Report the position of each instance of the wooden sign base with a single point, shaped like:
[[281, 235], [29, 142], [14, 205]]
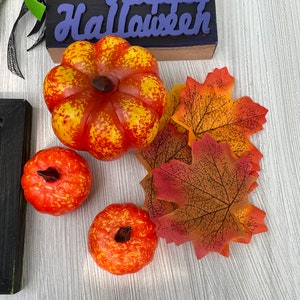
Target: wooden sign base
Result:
[[161, 54]]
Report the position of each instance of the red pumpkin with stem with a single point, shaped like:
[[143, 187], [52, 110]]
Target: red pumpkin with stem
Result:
[[122, 239], [56, 180]]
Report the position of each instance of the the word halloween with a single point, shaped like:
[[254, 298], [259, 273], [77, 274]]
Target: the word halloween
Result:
[[159, 18]]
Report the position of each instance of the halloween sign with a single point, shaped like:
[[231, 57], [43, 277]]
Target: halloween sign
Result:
[[162, 26]]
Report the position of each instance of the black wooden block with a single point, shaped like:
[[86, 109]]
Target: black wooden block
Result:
[[15, 130]]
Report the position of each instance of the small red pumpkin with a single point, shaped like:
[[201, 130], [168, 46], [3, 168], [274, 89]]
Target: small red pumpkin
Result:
[[56, 180], [122, 239]]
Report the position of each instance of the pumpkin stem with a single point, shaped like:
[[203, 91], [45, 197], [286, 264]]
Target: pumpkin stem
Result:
[[103, 84], [123, 234], [50, 174]]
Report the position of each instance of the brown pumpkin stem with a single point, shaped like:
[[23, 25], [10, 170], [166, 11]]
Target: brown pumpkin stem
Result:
[[123, 234], [50, 174], [103, 84]]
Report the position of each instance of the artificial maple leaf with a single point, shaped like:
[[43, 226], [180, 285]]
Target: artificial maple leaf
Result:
[[173, 101], [169, 144], [155, 207], [211, 195], [209, 108]]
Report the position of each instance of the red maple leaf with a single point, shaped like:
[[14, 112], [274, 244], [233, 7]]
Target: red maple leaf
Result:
[[211, 197], [169, 144]]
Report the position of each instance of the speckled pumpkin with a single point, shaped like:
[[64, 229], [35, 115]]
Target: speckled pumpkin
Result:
[[56, 180], [122, 239], [106, 97]]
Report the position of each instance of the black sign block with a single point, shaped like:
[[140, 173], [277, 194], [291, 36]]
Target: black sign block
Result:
[[15, 131]]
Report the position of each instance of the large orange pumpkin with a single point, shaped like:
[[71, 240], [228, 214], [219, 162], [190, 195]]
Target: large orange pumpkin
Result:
[[106, 97]]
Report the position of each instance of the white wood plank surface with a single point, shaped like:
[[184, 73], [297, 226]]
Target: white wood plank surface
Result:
[[259, 42]]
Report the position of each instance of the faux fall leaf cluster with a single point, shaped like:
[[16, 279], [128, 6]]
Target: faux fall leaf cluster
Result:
[[202, 166]]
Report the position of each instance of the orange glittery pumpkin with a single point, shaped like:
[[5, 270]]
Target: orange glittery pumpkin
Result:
[[56, 180], [122, 239], [106, 97]]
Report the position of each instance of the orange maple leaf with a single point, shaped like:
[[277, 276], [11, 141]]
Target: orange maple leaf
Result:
[[173, 101], [209, 108], [212, 199]]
